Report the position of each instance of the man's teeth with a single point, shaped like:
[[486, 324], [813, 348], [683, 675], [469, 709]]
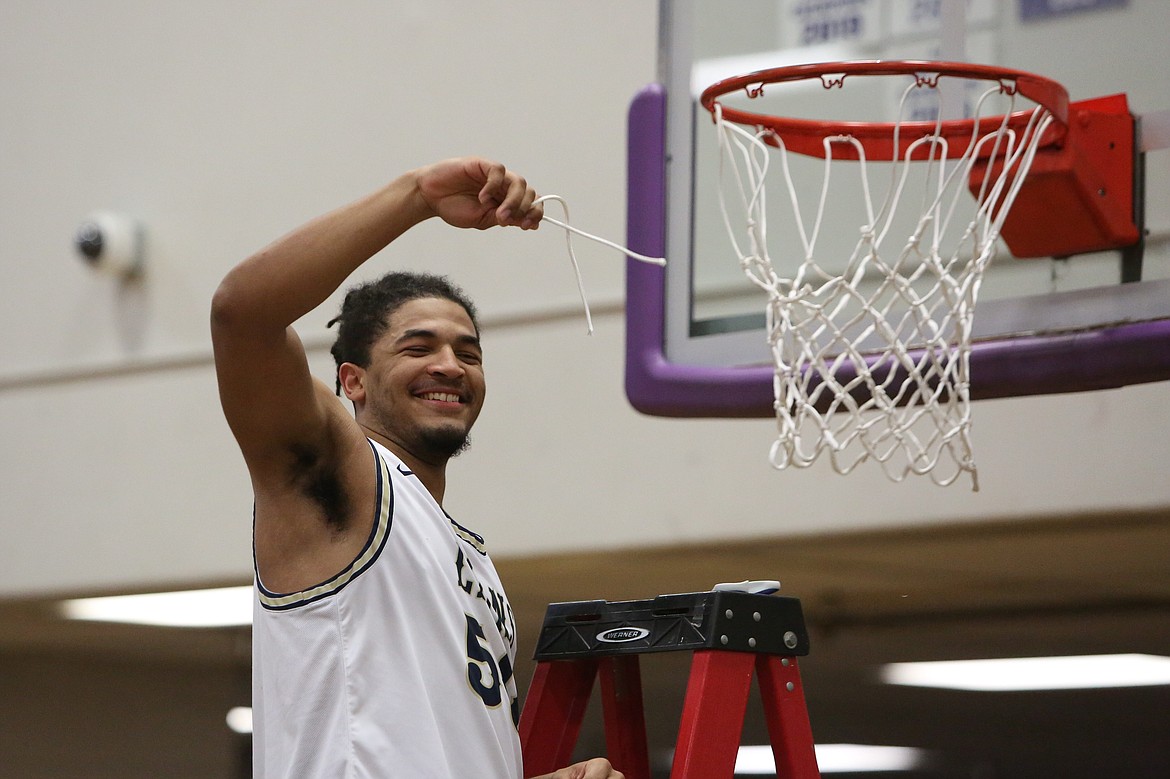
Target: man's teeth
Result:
[[446, 397]]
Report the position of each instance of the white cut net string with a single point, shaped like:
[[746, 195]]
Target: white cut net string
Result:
[[872, 359], [569, 230]]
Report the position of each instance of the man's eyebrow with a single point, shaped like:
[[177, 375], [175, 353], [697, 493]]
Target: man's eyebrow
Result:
[[422, 332], [416, 333]]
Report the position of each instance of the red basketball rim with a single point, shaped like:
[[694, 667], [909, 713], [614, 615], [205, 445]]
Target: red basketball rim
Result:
[[806, 136]]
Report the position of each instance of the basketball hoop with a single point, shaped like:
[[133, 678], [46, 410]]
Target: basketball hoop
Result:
[[871, 350]]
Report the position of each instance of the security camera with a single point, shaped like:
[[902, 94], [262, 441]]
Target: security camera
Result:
[[111, 243]]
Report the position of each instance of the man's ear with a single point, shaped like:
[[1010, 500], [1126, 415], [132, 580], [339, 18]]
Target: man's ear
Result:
[[352, 379]]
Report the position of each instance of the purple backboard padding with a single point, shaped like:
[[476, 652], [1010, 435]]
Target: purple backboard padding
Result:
[[654, 385], [1111, 357], [1116, 356]]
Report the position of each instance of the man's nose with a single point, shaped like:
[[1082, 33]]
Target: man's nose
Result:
[[445, 363]]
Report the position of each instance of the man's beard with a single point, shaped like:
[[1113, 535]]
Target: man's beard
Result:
[[434, 443], [445, 442]]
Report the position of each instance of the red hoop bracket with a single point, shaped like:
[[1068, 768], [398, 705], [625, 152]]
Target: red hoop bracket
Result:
[[1079, 196]]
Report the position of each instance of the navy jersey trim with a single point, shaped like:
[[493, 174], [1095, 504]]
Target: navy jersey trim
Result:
[[468, 535]]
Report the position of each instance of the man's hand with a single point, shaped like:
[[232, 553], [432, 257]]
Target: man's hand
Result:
[[476, 193], [597, 768]]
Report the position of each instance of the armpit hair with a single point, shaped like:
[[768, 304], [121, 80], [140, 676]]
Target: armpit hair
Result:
[[318, 477]]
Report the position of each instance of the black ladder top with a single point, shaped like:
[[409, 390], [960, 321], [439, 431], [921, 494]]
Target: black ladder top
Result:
[[727, 620]]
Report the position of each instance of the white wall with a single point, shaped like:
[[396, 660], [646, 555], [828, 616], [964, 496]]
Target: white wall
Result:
[[223, 124]]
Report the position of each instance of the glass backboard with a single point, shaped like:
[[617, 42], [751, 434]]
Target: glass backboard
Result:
[[696, 330]]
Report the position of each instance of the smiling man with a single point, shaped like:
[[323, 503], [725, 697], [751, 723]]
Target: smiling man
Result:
[[425, 335], [383, 642]]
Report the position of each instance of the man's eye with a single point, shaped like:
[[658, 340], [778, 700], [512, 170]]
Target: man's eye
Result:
[[470, 357]]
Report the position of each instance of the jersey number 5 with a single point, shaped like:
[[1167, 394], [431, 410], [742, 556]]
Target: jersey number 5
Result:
[[487, 678]]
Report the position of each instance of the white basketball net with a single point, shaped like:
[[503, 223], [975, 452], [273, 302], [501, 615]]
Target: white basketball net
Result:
[[872, 362]]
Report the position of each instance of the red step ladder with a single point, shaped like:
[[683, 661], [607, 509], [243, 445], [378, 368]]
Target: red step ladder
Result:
[[733, 636]]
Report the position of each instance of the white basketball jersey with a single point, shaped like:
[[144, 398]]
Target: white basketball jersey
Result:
[[399, 666]]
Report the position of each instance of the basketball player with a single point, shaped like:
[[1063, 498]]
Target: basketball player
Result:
[[383, 643]]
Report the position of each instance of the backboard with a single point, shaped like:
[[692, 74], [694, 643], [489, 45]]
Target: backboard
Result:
[[695, 334]]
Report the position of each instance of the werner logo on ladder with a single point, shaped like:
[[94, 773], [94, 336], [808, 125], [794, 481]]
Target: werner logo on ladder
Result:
[[734, 632]]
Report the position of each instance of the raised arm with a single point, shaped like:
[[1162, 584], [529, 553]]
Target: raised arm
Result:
[[310, 465], [265, 387]]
